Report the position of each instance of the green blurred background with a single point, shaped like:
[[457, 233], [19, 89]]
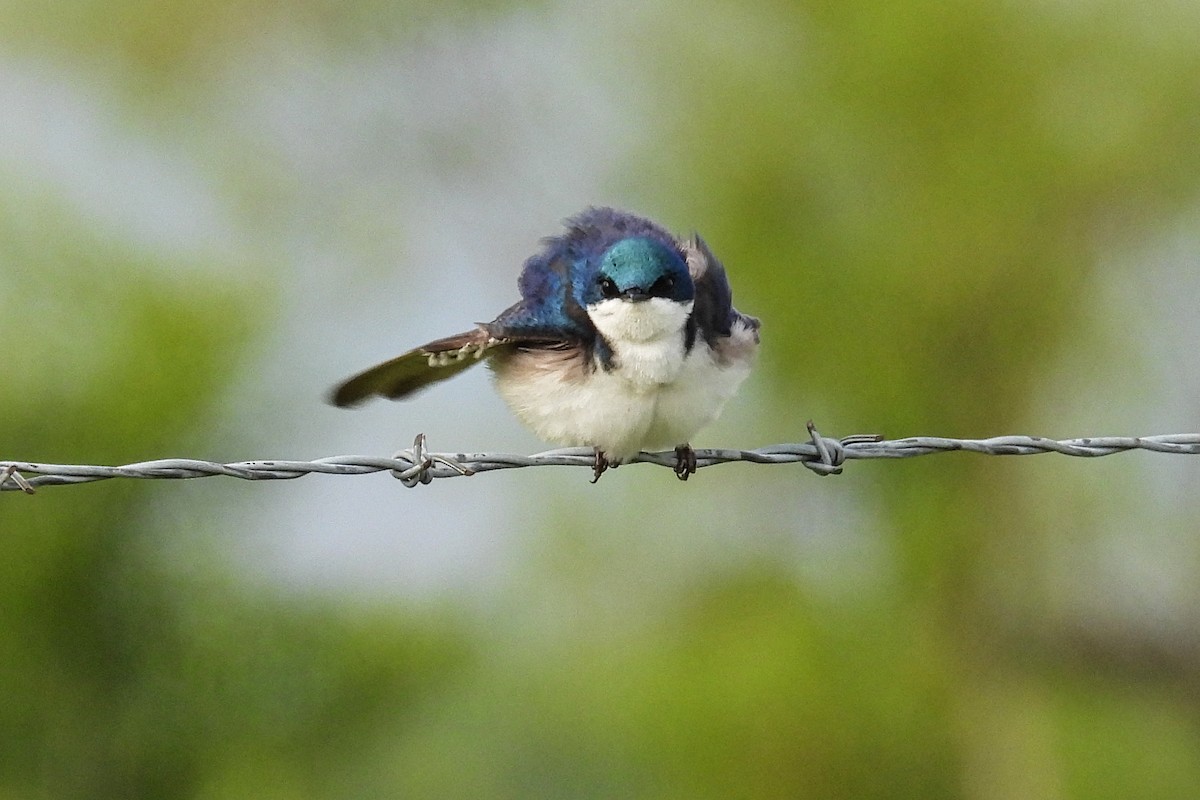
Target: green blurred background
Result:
[[953, 219]]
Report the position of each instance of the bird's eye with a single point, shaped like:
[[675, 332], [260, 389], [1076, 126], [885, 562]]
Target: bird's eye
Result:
[[662, 287], [608, 288]]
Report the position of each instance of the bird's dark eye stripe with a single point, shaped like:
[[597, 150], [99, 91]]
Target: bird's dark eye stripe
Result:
[[608, 288], [663, 286]]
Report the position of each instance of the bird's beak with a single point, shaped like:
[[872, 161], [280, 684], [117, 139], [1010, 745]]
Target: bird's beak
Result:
[[635, 294]]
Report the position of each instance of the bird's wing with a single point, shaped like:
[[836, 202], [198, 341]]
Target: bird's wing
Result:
[[713, 310], [420, 367]]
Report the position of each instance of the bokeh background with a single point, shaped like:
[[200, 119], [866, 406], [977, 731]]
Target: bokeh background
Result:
[[961, 219]]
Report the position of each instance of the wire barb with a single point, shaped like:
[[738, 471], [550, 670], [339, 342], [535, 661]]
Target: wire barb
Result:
[[830, 452], [417, 465], [421, 462], [11, 472]]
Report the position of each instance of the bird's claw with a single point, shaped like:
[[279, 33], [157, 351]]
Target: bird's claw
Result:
[[600, 465], [685, 461]]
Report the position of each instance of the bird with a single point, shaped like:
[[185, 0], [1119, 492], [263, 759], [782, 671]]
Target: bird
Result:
[[625, 339]]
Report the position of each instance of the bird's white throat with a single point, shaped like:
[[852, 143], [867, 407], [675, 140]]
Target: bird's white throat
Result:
[[646, 338], [656, 319]]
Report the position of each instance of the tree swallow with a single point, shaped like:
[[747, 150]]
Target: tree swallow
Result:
[[625, 338]]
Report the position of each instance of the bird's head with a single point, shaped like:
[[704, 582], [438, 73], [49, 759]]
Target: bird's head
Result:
[[638, 289], [637, 269]]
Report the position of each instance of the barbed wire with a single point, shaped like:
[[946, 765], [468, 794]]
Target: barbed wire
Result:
[[417, 465]]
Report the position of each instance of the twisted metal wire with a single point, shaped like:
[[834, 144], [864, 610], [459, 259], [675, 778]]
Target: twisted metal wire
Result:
[[417, 465]]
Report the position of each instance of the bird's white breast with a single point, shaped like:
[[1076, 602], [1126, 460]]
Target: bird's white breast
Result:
[[646, 339], [655, 395]]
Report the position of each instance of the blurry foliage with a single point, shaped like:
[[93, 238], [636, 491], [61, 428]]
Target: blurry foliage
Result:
[[915, 198], [912, 196], [743, 689], [918, 191], [122, 677], [162, 48], [109, 334]]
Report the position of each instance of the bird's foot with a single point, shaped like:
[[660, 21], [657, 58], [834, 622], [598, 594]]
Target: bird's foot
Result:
[[600, 465], [685, 461]]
